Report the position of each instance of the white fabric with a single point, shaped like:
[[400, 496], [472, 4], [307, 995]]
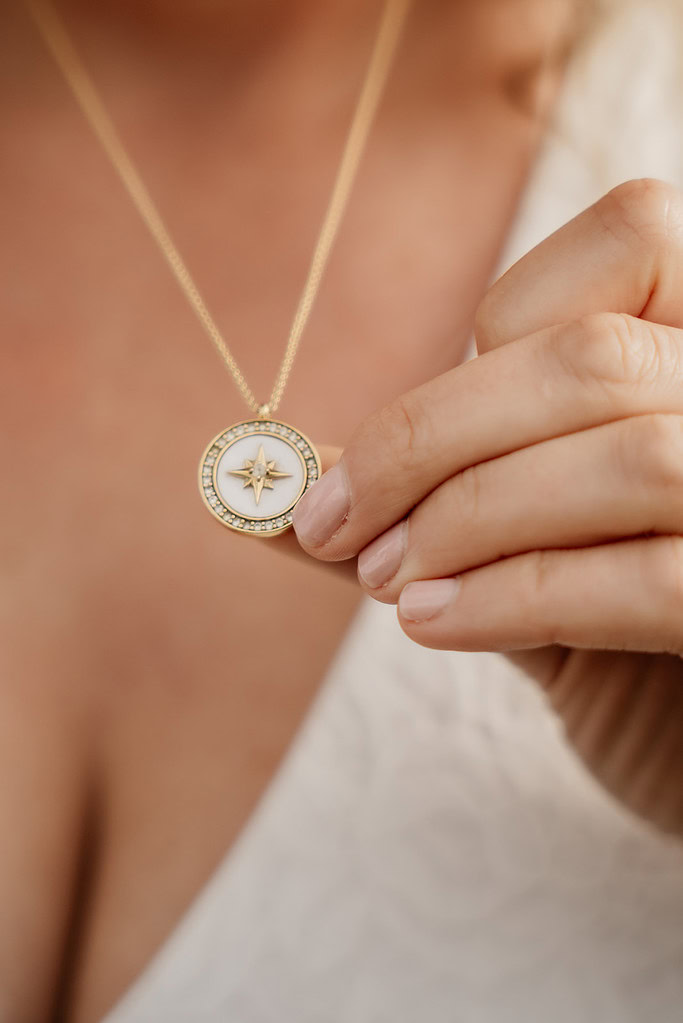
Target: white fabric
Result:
[[430, 849]]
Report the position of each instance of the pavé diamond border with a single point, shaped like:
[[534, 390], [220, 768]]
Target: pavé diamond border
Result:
[[227, 516]]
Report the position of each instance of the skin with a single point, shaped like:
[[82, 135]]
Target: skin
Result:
[[534, 494], [142, 714]]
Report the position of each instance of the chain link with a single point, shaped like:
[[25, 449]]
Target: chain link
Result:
[[59, 43]]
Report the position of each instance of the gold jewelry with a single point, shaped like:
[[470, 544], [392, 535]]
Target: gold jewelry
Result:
[[289, 449]]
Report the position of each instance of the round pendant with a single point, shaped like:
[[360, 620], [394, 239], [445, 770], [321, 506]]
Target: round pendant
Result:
[[252, 475]]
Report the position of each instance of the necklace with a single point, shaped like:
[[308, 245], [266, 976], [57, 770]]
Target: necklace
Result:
[[252, 474]]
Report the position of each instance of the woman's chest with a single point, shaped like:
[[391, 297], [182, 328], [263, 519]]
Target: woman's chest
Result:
[[115, 388], [203, 649]]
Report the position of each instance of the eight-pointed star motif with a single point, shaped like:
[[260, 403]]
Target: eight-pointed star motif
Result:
[[259, 473]]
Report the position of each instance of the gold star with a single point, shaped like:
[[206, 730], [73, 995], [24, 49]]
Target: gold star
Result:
[[259, 473]]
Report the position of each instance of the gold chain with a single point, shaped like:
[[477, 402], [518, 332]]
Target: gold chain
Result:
[[58, 42]]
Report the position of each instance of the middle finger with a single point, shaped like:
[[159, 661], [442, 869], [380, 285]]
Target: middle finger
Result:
[[610, 482]]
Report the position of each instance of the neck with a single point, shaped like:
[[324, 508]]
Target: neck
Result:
[[227, 55], [234, 31], [210, 52]]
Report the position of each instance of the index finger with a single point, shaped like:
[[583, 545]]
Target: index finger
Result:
[[624, 254], [558, 380]]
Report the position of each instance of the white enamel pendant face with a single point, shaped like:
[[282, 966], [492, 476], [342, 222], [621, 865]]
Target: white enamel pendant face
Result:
[[252, 475]]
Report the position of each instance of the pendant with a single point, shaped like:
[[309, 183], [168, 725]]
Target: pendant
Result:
[[252, 475]]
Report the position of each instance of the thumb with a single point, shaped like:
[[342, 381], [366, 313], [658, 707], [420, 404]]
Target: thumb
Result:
[[288, 543]]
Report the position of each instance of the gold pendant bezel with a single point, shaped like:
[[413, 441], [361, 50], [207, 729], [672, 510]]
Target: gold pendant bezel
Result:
[[263, 526]]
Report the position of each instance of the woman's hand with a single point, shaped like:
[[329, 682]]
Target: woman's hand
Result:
[[532, 499]]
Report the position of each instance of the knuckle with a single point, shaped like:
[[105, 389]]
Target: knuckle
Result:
[[655, 444], [615, 349], [487, 321], [466, 496], [665, 570], [409, 417], [396, 428], [647, 208], [541, 568]]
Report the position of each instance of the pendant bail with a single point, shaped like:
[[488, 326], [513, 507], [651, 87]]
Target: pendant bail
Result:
[[263, 411]]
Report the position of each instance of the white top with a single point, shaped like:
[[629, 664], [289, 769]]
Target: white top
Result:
[[431, 849]]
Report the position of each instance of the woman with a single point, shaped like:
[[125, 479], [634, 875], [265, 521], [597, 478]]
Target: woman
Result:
[[431, 847]]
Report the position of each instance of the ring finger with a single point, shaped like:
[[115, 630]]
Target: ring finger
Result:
[[614, 481]]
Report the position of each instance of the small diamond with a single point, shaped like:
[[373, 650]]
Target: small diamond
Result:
[[258, 526], [269, 525], [288, 516]]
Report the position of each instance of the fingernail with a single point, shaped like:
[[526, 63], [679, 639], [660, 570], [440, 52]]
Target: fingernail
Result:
[[423, 600], [321, 511], [380, 560]]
